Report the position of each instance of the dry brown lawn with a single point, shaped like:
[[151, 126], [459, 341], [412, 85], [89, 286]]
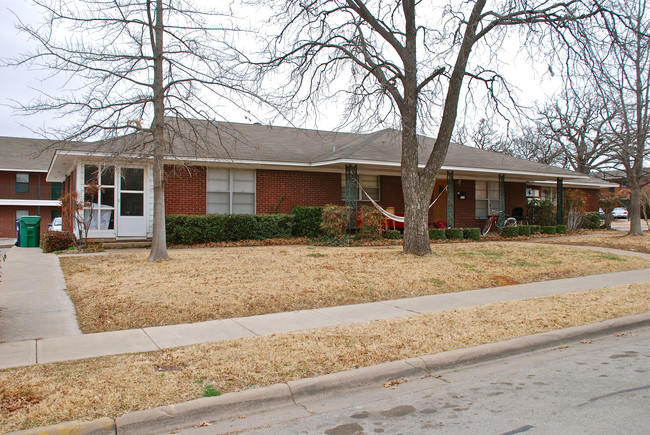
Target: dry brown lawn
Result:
[[606, 239], [124, 291], [112, 386]]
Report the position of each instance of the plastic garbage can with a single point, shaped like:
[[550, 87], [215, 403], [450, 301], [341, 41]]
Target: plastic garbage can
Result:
[[30, 231]]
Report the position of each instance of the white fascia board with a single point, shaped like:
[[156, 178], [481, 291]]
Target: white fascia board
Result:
[[32, 202], [575, 183], [508, 172]]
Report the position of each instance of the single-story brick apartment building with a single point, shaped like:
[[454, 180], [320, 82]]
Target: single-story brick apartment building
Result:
[[254, 168]]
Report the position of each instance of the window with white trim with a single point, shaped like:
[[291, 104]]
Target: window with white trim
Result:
[[99, 190], [487, 198], [230, 191], [370, 184]]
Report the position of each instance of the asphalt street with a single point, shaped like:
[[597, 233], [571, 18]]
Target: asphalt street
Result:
[[599, 385]]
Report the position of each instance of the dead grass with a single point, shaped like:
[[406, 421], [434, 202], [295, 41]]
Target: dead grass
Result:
[[112, 386], [124, 291], [607, 239]]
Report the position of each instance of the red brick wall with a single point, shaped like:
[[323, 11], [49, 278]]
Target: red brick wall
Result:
[[298, 188], [8, 218], [591, 199], [185, 190], [8, 186]]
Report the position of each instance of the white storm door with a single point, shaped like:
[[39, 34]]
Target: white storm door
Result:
[[131, 220]]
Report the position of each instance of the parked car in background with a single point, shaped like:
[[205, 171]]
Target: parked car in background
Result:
[[619, 213], [56, 225]]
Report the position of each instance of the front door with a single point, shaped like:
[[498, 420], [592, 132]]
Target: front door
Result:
[[131, 206]]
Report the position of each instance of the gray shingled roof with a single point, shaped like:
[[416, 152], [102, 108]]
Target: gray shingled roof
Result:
[[25, 154], [257, 143]]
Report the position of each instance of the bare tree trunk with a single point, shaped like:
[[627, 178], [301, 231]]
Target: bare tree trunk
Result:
[[635, 210], [159, 239]]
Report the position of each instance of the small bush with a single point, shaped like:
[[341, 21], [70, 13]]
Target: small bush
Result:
[[560, 229], [241, 227], [52, 241], [371, 220], [510, 232], [549, 229], [270, 226], [437, 234], [306, 221], [535, 229], [542, 212], [472, 233], [392, 234], [592, 221], [454, 233], [524, 230], [333, 221]]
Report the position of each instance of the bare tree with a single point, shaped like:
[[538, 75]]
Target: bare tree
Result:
[[577, 124], [134, 69], [397, 69], [484, 136], [614, 56], [531, 142]]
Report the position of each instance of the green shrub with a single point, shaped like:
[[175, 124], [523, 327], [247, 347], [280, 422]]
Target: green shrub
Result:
[[472, 233], [560, 229], [192, 229], [509, 231], [371, 220], [56, 241], [270, 226], [535, 229], [333, 221], [306, 221], [592, 221], [524, 230], [437, 234], [392, 234], [549, 229], [454, 233]]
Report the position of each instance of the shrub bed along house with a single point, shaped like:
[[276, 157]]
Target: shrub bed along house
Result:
[[510, 232], [191, 229], [307, 221], [549, 229], [437, 234], [454, 233], [472, 233], [525, 230], [560, 229], [392, 234], [592, 221]]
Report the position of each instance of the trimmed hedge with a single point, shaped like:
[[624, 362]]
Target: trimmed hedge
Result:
[[454, 233], [307, 221], [52, 241], [592, 221], [535, 229], [524, 230], [560, 229], [392, 234], [509, 231], [192, 229], [437, 234], [549, 229], [472, 233]]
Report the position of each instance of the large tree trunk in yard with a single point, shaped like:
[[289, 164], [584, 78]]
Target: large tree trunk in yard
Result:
[[635, 210]]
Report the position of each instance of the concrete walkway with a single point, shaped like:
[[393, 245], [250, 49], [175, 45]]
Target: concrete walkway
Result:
[[33, 301], [32, 289]]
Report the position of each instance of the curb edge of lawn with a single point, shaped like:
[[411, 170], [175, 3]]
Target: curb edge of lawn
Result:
[[232, 405]]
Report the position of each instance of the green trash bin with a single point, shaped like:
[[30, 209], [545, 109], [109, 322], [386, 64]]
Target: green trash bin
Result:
[[30, 231]]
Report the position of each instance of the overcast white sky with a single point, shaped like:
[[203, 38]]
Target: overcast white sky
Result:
[[23, 84]]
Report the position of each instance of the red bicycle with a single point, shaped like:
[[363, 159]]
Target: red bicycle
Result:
[[494, 219]]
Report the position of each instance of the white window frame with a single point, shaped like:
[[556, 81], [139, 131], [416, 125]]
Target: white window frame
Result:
[[362, 181], [95, 229], [231, 189], [491, 200]]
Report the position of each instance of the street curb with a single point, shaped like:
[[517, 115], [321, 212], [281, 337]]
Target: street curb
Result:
[[230, 405]]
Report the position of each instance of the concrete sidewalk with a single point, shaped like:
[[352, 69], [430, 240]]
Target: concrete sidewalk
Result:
[[33, 301], [74, 346]]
